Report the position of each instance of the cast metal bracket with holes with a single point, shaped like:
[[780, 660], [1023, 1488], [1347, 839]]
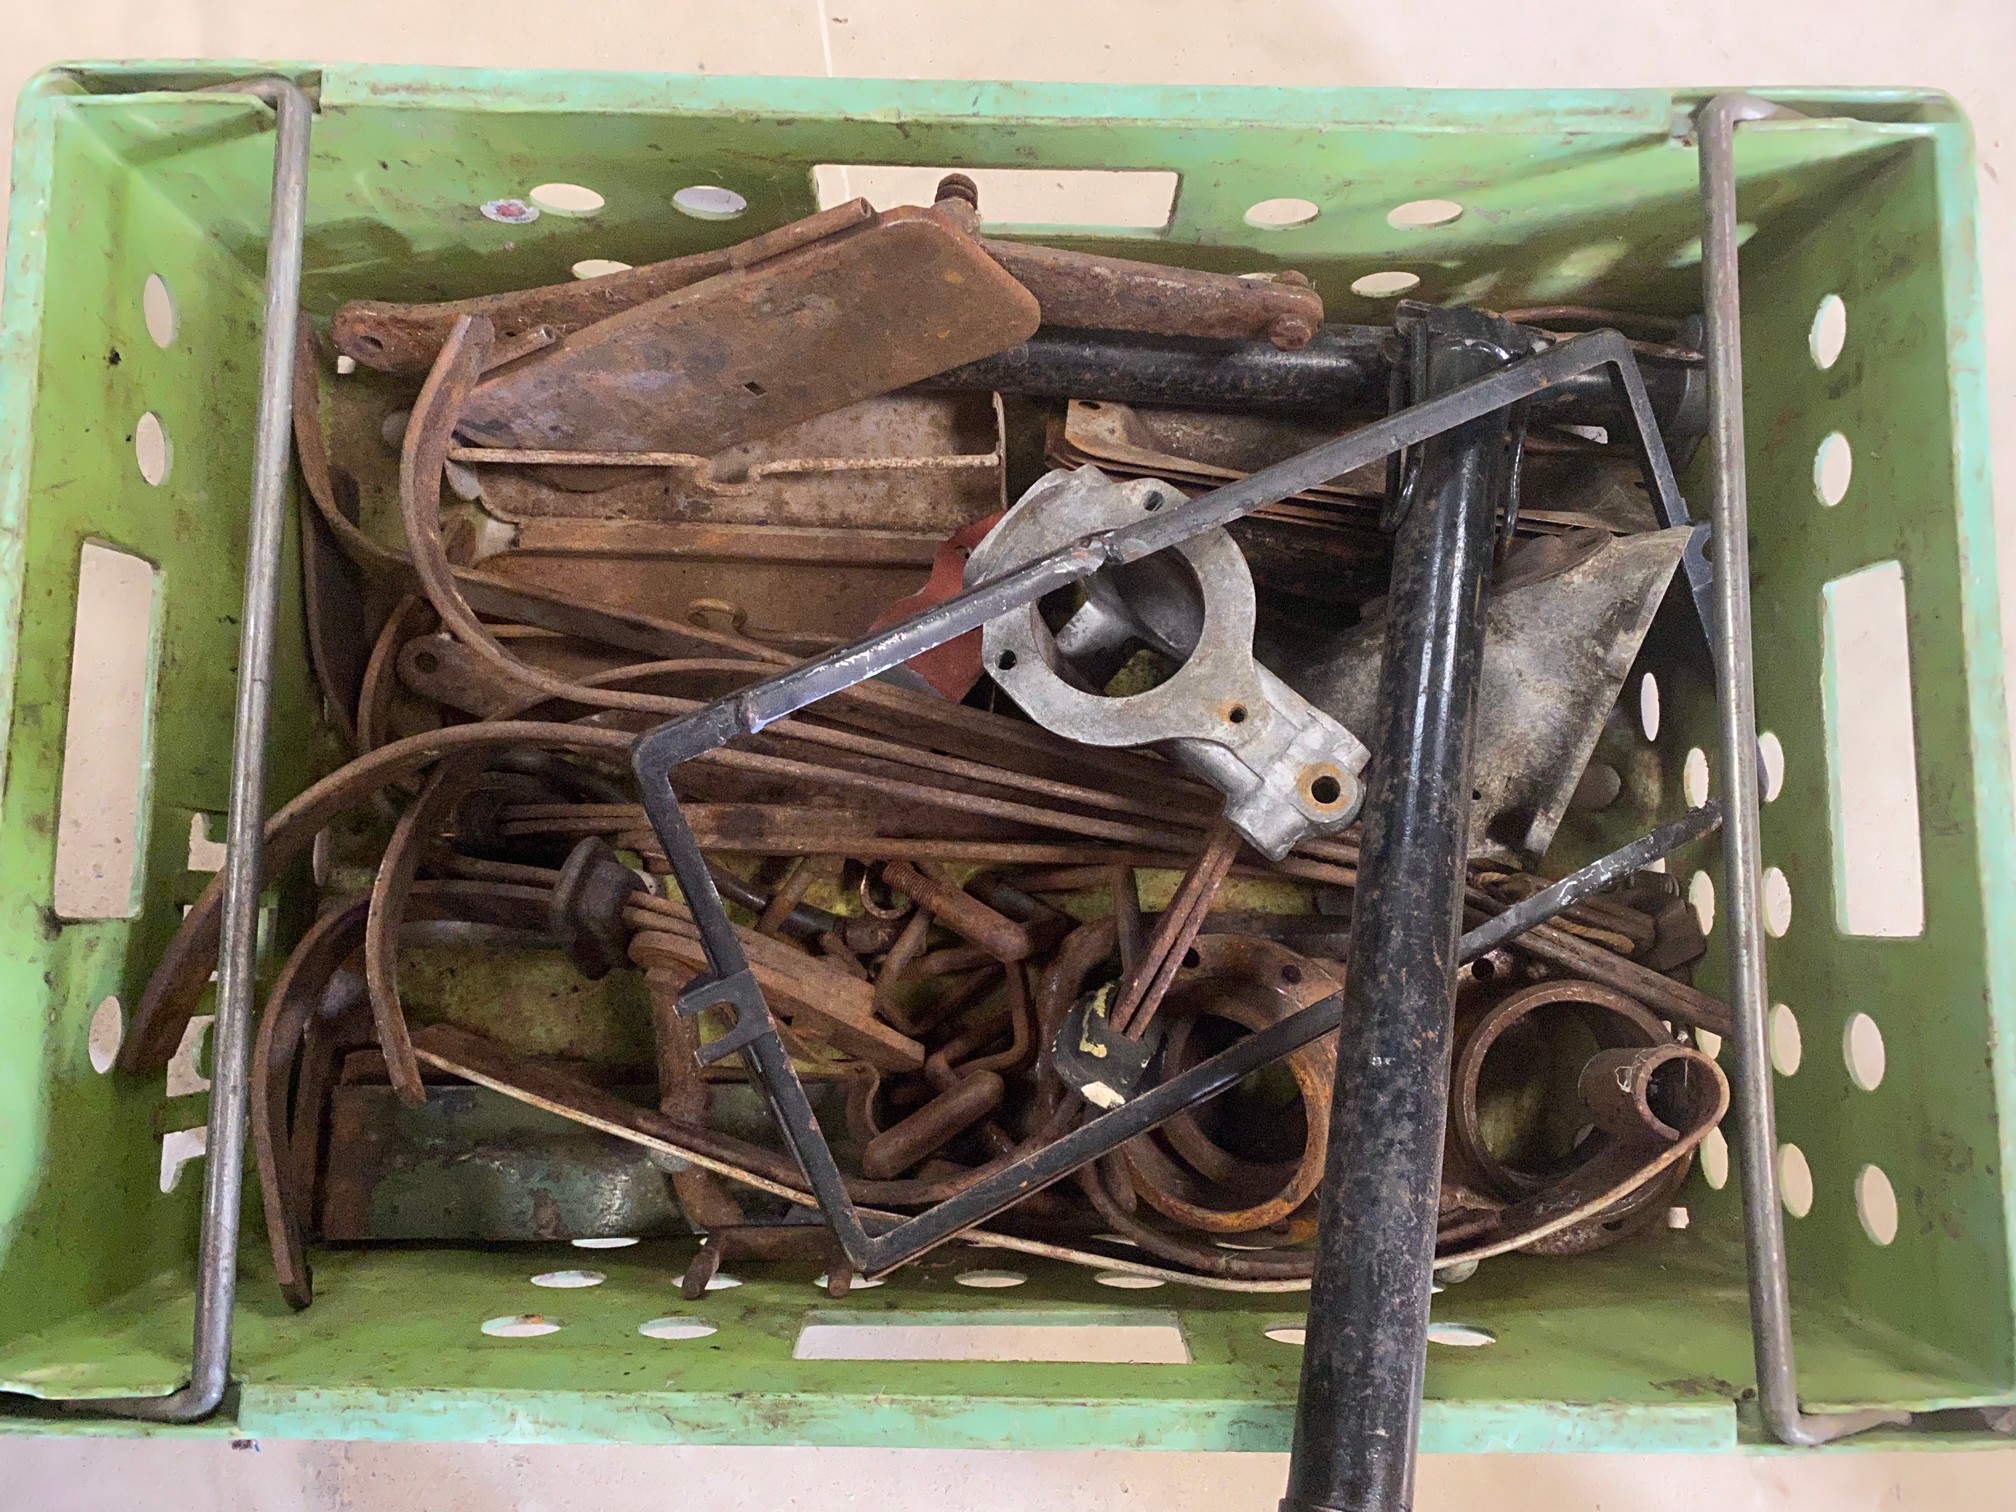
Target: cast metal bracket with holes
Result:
[[729, 983]]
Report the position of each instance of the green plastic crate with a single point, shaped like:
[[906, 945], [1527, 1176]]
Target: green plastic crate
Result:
[[1584, 196]]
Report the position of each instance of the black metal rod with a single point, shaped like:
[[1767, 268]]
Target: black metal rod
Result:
[[1343, 370], [1365, 1354]]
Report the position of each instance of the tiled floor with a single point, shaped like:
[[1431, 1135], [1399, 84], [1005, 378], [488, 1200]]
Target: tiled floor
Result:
[[1964, 46]]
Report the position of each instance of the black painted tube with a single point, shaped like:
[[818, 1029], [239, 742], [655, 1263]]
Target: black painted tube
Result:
[[1358, 1417], [1343, 369]]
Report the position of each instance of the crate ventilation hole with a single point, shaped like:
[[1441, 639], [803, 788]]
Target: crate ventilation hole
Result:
[[1777, 902], [1787, 1046], [1701, 898], [1281, 214], [151, 448], [1390, 284], [709, 202], [1715, 1160], [1772, 752], [1876, 1205], [990, 1280], [1648, 706], [676, 1328], [108, 1029], [1862, 1049], [520, 1326], [569, 1280], [567, 199], [157, 308], [1833, 466], [1795, 1180], [1421, 213], [1454, 1335], [1694, 777], [1829, 332]]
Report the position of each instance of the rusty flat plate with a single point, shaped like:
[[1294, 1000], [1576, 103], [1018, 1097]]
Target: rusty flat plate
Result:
[[406, 338], [756, 349], [775, 583], [927, 463]]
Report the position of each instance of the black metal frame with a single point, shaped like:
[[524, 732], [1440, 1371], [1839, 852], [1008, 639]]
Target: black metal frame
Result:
[[729, 982]]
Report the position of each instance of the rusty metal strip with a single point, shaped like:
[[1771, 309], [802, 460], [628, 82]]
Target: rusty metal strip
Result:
[[406, 338]]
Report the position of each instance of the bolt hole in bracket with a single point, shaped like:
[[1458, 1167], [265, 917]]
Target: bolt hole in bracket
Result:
[[728, 981], [1220, 713]]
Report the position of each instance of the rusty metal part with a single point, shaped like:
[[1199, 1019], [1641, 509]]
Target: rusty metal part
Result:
[[908, 946], [784, 902], [918, 1001], [1180, 1171], [398, 867], [1560, 637], [921, 464], [1142, 990], [1084, 949], [182, 973], [1118, 294], [410, 618], [1202, 448], [489, 1064], [952, 669], [1021, 1048], [683, 1094], [948, 727], [586, 914], [1122, 882], [1574, 957], [960, 912], [340, 1025], [314, 1014], [492, 658], [805, 1242], [329, 487], [858, 313], [339, 633], [927, 1131], [797, 586], [471, 1167], [1619, 1088], [800, 921], [474, 1059], [1639, 326], [406, 338], [817, 997], [282, 1026], [1613, 1020]]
